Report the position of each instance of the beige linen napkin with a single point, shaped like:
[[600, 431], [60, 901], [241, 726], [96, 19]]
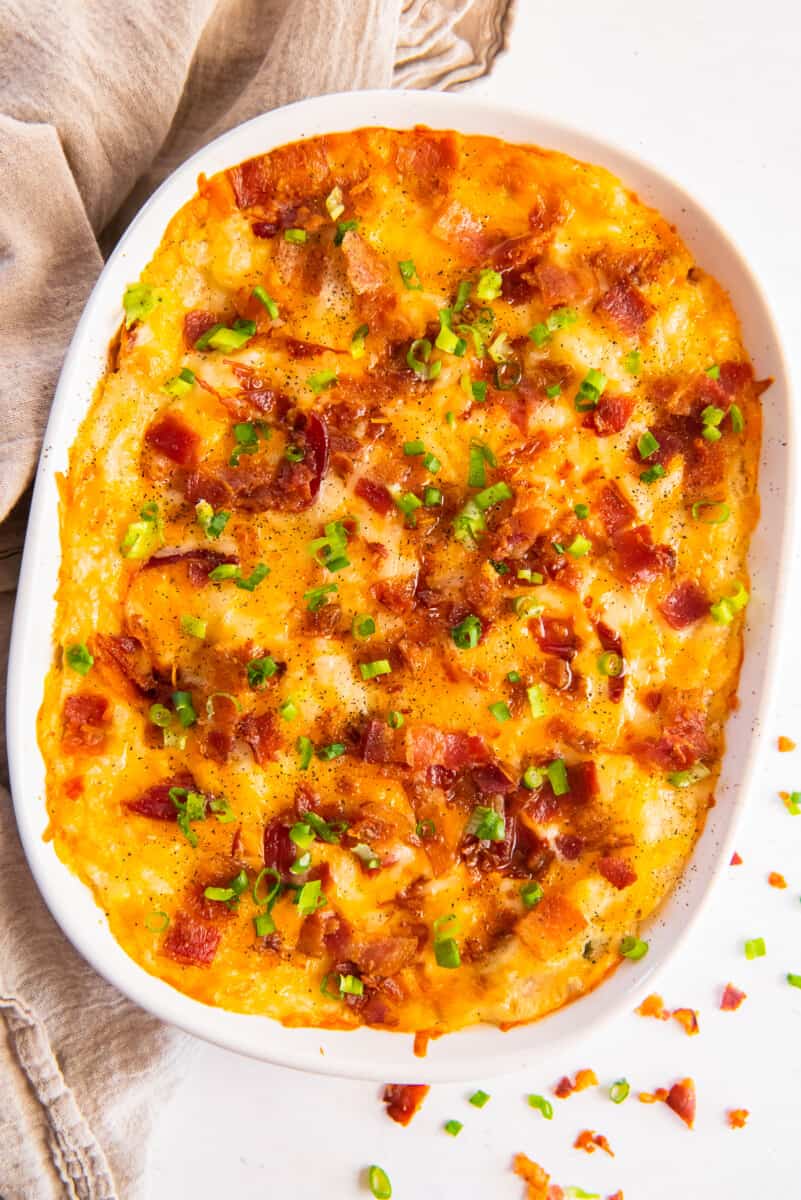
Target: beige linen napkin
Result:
[[98, 102]]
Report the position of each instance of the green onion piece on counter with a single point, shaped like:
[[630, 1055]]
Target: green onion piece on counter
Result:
[[408, 273], [479, 1099], [542, 1105], [531, 894], [633, 948], [794, 981], [371, 670], [467, 633], [453, 1127], [79, 658], [486, 824], [755, 948], [264, 298], [380, 1185], [619, 1091]]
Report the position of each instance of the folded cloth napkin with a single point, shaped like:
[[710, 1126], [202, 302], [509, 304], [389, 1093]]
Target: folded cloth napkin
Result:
[[98, 102]]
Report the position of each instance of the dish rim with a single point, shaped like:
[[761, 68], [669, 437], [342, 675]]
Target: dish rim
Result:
[[369, 1053]]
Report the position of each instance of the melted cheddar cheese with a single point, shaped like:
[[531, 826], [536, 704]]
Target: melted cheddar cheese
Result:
[[403, 570]]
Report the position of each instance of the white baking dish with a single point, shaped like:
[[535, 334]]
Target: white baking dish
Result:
[[370, 1053]]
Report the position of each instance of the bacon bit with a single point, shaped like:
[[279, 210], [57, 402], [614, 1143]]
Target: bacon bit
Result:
[[425, 160], [614, 509], [589, 1141], [421, 1040], [585, 1078], [776, 880], [625, 307], [73, 788], [688, 1019], [617, 871], [653, 1006], [174, 439], [617, 1196], [653, 1097], [683, 742], [196, 323], [533, 1175], [556, 637], [547, 928], [279, 849], [732, 998], [562, 285], [681, 1099], [735, 861], [612, 643], [785, 745], [85, 718], [375, 494], [403, 1100], [365, 269], [610, 415], [427, 746], [155, 802], [200, 562], [737, 1117], [261, 735], [191, 941], [129, 656], [639, 561], [685, 605], [734, 376]]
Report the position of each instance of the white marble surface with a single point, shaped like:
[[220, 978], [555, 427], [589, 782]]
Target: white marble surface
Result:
[[710, 92]]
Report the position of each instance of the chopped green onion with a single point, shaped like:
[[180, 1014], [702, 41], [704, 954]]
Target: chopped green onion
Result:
[[190, 806], [301, 864], [143, 537], [305, 749], [193, 626], [296, 236], [558, 319], [326, 832], [333, 203], [467, 633], [683, 779], [316, 597], [539, 333], [479, 1099], [330, 752], [366, 855], [408, 273], [580, 546], [536, 701], [180, 384], [446, 951], [432, 497], [610, 664], [210, 522], [138, 301], [582, 511], [288, 710], [508, 375], [203, 341], [425, 829], [633, 947], [713, 372], [495, 494], [500, 711], [395, 719], [527, 606], [718, 516], [232, 338], [619, 1091], [294, 454], [224, 571], [486, 824], [653, 473], [553, 391], [259, 572], [447, 340], [309, 898], [533, 778], [413, 449], [264, 298], [260, 670], [357, 346], [531, 894], [220, 696], [634, 362], [737, 419], [499, 567], [489, 285], [344, 227], [371, 670], [157, 921], [755, 948], [160, 716], [450, 420], [712, 415], [501, 349], [710, 434], [590, 390], [246, 436], [79, 658], [431, 463], [417, 357], [544, 1106], [263, 924], [468, 523], [724, 610], [301, 834], [272, 895], [453, 1127], [321, 380], [577, 1193], [363, 625], [379, 1183], [557, 777], [182, 702], [476, 471], [647, 444], [408, 504], [794, 981], [462, 295], [513, 676], [350, 985]]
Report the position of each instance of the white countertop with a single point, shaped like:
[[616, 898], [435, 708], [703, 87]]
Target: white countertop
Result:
[[710, 93]]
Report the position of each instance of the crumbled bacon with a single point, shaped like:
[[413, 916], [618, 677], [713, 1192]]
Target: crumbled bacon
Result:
[[688, 1019], [683, 742], [85, 718], [681, 1099], [155, 801], [130, 657], [653, 1006], [375, 494], [776, 880], [491, 780], [736, 861], [557, 637], [533, 1176], [618, 871], [403, 1100], [732, 998], [569, 846], [279, 849], [196, 323], [380, 744], [625, 307], [191, 941], [785, 744], [428, 746], [658, 1096], [735, 376], [261, 734], [589, 1141], [638, 560], [382, 955], [173, 438], [200, 562], [610, 415], [364, 267], [297, 170], [615, 511], [737, 1117], [685, 605], [585, 1078], [562, 285], [612, 644], [425, 161]]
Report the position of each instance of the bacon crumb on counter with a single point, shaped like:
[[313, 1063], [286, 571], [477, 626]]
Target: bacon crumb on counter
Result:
[[533, 1176], [403, 1100], [421, 1040], [736, 861], [776, 880], [585, 1078], [737, 1117], [681, 1099], [688, 1019], [590, 1141], [732, 998], [653, 1006], [785, 745], [652, 1097]]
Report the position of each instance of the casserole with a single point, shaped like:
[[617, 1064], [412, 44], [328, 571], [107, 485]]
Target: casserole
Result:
[[252, 1034]]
